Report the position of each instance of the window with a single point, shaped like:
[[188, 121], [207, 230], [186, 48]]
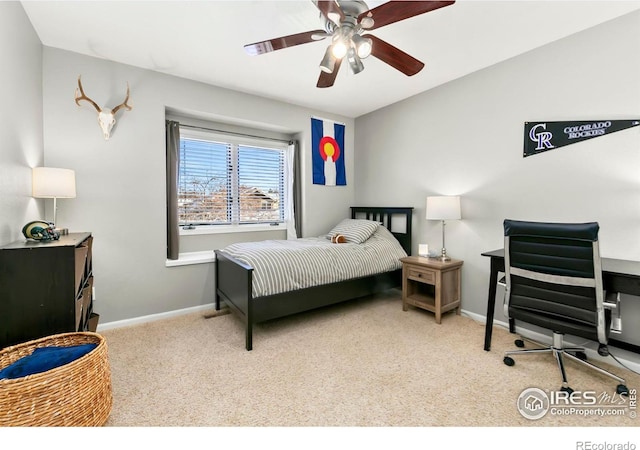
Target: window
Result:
[[230, 180]]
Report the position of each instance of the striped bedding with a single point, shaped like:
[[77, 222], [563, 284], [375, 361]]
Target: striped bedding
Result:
[[287, 265]]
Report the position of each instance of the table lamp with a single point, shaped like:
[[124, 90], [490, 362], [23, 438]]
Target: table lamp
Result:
[[443, 208], [51, 182]]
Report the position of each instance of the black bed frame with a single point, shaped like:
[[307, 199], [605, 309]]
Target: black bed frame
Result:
[[234, 280]]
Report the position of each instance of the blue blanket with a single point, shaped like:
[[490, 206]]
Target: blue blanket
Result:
[[45, 358]]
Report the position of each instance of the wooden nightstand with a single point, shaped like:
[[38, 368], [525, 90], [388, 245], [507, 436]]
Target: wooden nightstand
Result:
[[431, 284]]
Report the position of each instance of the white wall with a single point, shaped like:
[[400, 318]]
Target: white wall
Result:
[[20, 120], [466, 138], [121, 182]]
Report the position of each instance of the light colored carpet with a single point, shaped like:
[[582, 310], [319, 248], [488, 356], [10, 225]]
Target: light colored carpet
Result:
[[364, 363]]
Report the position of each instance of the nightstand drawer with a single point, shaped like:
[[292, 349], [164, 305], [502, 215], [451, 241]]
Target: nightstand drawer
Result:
[[421, 274]]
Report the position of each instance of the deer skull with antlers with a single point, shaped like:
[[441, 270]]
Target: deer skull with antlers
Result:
[[106, 116]]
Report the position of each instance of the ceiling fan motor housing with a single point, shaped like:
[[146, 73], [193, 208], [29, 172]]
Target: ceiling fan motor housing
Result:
[[351, 10]]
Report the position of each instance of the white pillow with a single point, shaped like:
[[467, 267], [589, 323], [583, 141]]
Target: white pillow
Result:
[[355, 230]]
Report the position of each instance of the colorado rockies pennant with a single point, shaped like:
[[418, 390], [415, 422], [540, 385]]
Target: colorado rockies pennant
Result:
[[542, 136]]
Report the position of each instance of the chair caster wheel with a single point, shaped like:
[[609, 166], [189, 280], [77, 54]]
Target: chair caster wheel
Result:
[[508, 361], [567, 389], [622, 390], [519, 343], [581, 355]]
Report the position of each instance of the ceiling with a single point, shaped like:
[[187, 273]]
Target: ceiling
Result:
[[203, 41]]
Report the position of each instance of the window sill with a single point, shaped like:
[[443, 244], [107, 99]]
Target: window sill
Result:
[[231, 229], [187, 259]]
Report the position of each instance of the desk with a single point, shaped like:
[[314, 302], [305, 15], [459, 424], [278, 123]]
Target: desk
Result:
[[618, 275]]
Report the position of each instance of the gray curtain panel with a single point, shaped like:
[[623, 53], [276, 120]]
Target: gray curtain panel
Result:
[[173, 160], [297, 191]]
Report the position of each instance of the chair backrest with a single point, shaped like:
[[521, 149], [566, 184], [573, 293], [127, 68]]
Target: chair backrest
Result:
[[553, 276]]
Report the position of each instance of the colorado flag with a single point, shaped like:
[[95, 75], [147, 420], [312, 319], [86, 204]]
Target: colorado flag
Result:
[[327, 148]]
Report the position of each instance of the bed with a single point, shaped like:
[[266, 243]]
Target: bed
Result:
[[236, 283]]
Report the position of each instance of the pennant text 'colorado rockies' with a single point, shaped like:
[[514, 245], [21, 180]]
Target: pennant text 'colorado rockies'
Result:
[[542, 136]]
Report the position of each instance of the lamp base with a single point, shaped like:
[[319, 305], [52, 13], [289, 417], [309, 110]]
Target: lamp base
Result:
[[443, 256], [62, 231]]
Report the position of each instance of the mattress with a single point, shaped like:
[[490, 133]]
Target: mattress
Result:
[[287, 265]]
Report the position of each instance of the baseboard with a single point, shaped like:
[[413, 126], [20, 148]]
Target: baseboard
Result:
[[154, 317], [626, 359], [477, 317]]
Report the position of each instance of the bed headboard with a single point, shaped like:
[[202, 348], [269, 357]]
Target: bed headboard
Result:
[[397, 220]]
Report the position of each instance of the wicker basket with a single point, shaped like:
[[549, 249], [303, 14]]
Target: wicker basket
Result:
[[75, 394]]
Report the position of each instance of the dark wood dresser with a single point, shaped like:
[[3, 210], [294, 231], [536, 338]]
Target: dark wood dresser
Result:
[[46, 287]]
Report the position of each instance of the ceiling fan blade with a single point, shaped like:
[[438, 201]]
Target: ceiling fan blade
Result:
[[327, 79], [258, 48], [395, 11], [393, 56], [330, 9]]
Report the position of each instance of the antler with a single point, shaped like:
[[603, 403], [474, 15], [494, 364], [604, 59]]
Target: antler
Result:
[[126, 99], [84, 97]]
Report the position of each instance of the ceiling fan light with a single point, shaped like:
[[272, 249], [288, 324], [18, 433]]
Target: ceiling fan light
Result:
[[354, 61], [328, 62], [363, 46], [339, 49]]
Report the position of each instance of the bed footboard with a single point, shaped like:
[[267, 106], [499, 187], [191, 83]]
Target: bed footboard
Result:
[[234, 287]]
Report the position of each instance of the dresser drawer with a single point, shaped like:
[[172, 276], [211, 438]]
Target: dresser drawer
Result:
[[421, 274]]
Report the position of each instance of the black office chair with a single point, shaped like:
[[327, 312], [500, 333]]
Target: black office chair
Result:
[[553, 280]]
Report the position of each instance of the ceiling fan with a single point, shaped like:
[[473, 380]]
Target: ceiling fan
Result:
[[346, 22]]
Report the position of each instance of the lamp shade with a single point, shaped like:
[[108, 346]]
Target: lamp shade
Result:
[[51, 182], [443, 208]]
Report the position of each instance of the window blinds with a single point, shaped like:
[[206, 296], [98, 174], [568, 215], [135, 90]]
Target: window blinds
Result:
[[222, 182]]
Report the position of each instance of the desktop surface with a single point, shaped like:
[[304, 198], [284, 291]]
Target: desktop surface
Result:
[[618, 275], [611, 265]]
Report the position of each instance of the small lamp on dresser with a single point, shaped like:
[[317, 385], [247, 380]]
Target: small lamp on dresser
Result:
[[443, 208], [51, 182]]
